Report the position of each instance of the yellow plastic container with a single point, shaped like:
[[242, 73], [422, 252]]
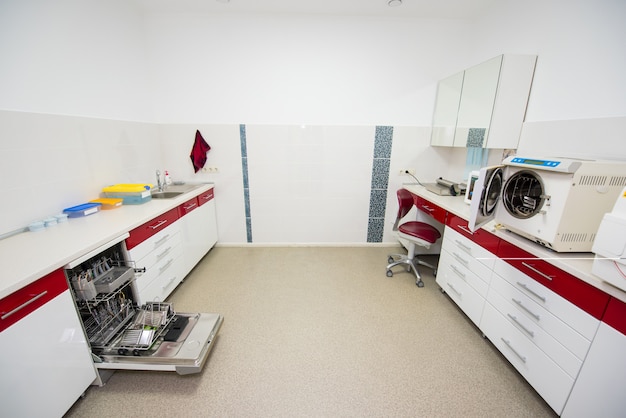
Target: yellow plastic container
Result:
[[132, 194], [109, 202]]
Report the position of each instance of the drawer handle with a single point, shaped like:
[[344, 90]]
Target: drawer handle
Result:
[[508, 344], [428, 209], [460, 259], [166, 266], [526, 330], [23, 305], [537, 271], [193, 205], [454, 289], [463, 228], [519, 303], [207, 197], [164, 253], [159, 224], [457, 271], [168, 283], [532, 292], [162, 240], [465, 247]]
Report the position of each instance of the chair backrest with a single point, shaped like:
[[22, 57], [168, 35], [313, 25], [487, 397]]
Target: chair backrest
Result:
[[405, 203]]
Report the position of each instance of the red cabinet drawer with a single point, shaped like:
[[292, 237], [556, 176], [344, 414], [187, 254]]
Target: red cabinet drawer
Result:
[[19, 304], [206, 196], [588, 298], [187, 207], [615, 315], [481, 237], [430, 208], [145, 231]]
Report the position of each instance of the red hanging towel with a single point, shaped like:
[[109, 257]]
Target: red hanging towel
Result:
[[198, 152]]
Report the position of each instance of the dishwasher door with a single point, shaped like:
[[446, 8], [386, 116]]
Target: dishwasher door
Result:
[[124, 335], [183, 354]]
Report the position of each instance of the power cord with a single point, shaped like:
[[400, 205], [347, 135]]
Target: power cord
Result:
[[418, 182]]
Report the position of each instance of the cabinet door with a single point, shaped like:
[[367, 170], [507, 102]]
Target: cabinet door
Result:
[[599, 389], [46, 363], [446, 110], [476, 107], [199, 230]]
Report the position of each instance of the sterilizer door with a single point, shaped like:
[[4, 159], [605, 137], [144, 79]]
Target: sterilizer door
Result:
[[487, 192]]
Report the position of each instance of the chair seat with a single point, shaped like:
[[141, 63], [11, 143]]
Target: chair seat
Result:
[[420, 230]]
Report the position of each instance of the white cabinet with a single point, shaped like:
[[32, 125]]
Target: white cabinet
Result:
[[491, 107], [599, 389], [543, 335], [446, 109], [198, 228], [156, 249], [45, 360], [464, 272]]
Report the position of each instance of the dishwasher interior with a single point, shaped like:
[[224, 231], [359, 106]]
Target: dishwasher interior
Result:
[[125, 335]]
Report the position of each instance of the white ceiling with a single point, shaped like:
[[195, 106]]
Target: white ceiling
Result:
[[427, 9]]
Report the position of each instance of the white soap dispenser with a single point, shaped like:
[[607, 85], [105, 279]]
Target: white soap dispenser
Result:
[[168, 179]]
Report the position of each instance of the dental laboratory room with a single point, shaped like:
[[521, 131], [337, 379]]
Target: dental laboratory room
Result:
[[313, 208]]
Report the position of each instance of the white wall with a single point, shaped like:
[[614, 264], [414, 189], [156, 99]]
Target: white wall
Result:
[[316, 70], [74, 57], [105, 61]]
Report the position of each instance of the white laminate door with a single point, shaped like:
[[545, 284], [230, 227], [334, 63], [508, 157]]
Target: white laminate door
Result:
[[600, 387], [46, 364], [199, 230]]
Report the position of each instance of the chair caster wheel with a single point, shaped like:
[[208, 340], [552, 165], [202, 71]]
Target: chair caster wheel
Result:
[[390, 260], [389, 273], [420, 284]]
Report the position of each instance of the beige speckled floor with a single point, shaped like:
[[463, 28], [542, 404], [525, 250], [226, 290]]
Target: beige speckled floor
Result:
[[322, 332]]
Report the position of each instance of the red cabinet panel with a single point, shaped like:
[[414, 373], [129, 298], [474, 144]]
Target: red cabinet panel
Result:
[[206, 196], [590, 299], [430, 208], [19, 304], [187, 207], [615, 315], [481, 237], [145, 231]]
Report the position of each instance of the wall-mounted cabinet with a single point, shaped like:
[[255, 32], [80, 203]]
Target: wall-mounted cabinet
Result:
[[484, 106]]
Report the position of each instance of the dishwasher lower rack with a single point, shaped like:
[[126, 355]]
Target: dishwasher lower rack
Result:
[[144, 327]]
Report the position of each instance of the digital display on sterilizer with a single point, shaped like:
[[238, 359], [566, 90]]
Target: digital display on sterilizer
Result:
[[544, 163]]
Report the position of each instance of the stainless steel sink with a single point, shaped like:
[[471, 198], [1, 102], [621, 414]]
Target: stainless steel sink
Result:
[[165, 195]]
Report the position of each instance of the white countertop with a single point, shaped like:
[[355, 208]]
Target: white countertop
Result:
[[577, 264], [29, 256]]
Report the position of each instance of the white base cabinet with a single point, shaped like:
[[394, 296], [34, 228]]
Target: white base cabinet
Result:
[[198, 229], [46, 363], [599, 389], [464, 272]]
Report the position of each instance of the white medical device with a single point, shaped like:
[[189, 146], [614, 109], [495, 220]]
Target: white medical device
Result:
[[610, 245]]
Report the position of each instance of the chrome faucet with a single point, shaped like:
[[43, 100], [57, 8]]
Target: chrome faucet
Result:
[[159, 182]]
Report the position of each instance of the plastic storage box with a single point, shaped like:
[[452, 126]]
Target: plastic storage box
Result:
[[108, 203], [131, 194], [82, 210]]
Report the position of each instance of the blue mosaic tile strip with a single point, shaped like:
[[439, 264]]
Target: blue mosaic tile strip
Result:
[[246, 183], [475, 137], [383, 140]]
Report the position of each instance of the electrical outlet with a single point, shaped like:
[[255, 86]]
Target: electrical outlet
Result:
[[404, 171], [210, 170]]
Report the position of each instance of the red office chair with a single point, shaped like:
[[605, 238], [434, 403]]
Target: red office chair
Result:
[[417, 233]]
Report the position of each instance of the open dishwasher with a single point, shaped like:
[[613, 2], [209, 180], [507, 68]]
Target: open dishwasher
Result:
[[125, 335]]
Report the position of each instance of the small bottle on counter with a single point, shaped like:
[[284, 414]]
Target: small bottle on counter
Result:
[[168, 179]]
